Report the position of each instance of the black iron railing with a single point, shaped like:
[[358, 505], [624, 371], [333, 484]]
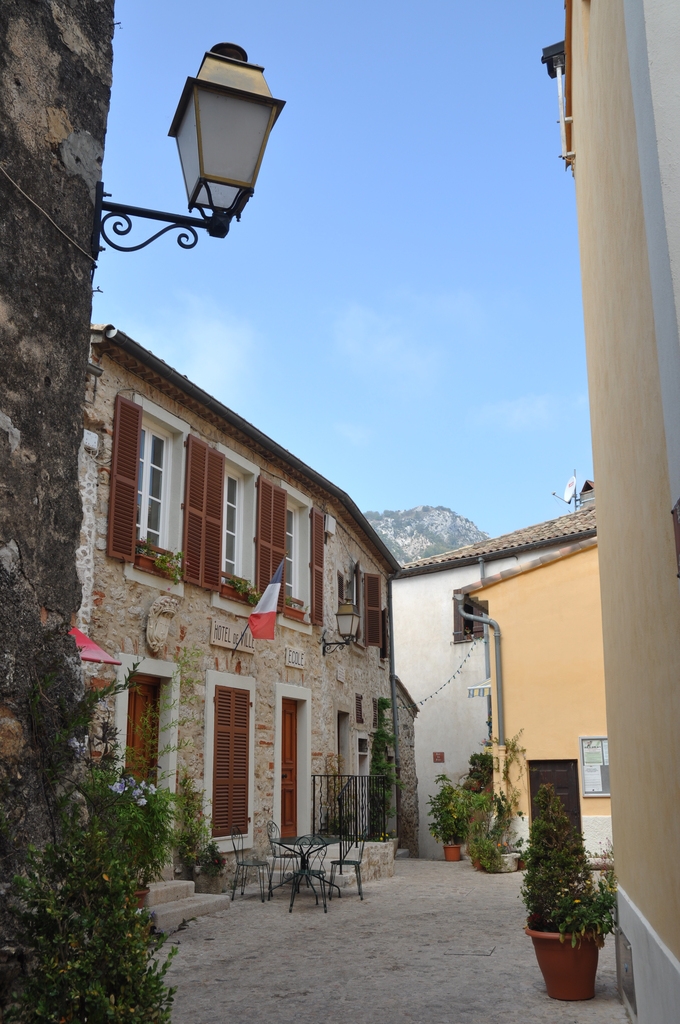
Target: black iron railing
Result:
[[350, 807]]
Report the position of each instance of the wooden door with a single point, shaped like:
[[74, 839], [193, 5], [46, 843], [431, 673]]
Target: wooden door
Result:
[[288, 767], [141, 756], [564, 777]]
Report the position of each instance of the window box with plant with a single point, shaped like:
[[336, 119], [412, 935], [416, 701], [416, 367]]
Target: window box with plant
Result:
[[237, 589], [569, 912], [159, 561], [294, 609], [450, 810]]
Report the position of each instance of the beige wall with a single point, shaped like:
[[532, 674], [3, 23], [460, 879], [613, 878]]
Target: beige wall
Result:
[[640, 599], [553, 671]]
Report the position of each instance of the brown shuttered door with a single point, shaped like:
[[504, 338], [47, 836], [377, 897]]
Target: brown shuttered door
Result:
[[373, 611], [127, 432], [230, 771], [270, 542], [203, 497], [288, 767], [316, 566]]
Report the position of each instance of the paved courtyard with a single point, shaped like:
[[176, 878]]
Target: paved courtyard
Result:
[[436, 944]]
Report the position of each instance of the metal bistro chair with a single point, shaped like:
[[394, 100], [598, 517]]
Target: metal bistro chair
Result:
[[244, 864], [355, 863], [312, 854], [288, 858]]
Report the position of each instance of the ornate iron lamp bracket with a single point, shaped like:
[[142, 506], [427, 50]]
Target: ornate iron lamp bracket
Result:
[[326, 647], [217, 224]]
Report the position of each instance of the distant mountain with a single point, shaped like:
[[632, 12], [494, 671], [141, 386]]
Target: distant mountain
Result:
[[424, 531]]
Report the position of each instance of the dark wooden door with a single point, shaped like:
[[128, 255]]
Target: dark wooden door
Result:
[[564, 777], [141, 755], [289, 767]]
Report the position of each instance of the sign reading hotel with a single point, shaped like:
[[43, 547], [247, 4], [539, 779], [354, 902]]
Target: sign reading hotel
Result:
[[224, 634], [294, 658]]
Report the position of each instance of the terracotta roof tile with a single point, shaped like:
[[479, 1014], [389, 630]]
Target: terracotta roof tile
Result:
[[566, 526]]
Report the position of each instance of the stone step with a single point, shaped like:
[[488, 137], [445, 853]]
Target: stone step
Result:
[[167, 917], [401, 853], [168, 892]]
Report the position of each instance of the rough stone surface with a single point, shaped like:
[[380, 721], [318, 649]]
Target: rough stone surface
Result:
[[55, 75], [412, 951], [409, 817]]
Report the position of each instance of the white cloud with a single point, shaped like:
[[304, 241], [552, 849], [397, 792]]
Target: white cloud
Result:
[[532, 412]]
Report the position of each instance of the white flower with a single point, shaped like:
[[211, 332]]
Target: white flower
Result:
[[141, 801], [152, 789]]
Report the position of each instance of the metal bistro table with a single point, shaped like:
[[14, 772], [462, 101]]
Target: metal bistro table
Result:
[[307, 848]]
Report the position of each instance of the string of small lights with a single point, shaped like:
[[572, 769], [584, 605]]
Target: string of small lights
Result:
[[419, 703]]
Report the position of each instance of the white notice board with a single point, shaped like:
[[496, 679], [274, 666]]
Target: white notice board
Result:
[[594, 765]]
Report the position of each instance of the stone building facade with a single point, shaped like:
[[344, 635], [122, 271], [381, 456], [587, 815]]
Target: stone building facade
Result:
[[55, 78], [252, 726]]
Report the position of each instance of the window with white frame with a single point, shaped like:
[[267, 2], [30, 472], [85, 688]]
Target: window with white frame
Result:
[[154, 454], [291, 552], [232, 497]]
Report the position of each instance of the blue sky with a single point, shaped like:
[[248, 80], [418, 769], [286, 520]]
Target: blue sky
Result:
[[400, 304]]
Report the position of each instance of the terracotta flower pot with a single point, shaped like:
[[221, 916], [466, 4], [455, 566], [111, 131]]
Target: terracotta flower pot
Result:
[[140, 896], [568, 971], [451, 851], [294, 613], [230, 592]]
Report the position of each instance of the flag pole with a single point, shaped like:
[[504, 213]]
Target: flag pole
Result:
[[240, 638]]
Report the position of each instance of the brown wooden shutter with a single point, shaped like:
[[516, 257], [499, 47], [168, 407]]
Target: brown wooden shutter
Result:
[[373, 610], [127, 432], [375, 712], [477, 627], [270, 541], [359, 708], [203, 499], [458, 623], [341, 588], [358, 599], [384, 647], [316, 566], [230, 769]]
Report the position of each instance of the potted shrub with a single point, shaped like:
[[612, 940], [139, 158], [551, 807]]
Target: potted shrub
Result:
[[209, 869], [450, 816], [159, 561], [141, 820], [192, 826], [569, 913]]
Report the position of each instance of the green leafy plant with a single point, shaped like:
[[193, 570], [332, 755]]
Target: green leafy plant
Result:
[[94, 958], [559, 890], [245, 588], [139, 820], [450, 810], [170, 563], [192, 826], [381, 764], [480, 774], [210, 860]]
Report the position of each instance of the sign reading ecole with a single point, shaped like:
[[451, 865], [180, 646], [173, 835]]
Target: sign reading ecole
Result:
[[294, 658], [224, 634]]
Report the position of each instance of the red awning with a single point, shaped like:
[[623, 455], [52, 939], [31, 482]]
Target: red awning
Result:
[[89, 651]]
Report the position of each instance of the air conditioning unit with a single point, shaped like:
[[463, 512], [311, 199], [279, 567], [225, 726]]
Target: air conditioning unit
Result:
[[329, 524]]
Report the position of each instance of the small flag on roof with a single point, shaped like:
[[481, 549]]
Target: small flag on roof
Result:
[[262, 620]]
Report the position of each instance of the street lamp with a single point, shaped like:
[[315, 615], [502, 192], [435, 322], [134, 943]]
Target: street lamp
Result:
[[347, 618], [222, 126]]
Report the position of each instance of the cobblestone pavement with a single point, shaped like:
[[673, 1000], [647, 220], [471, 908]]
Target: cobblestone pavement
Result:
[[436, 944]]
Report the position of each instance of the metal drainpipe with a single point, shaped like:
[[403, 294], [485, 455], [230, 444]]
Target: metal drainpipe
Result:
[[393, 690], [487, 655], [499, 670]]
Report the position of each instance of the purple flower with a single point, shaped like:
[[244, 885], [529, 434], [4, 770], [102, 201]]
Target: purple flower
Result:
[[152, 789], [141, 801], [118, 787], [137, 793]]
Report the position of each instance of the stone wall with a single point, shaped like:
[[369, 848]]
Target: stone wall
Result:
[[409, 815], [55, 76], [122, 597]]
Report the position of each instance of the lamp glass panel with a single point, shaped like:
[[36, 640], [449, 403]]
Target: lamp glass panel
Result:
[[222, 195], [233, 132], [187, 144], [348, 621]]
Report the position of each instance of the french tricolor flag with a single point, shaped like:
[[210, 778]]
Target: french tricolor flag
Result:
[[262, 620]]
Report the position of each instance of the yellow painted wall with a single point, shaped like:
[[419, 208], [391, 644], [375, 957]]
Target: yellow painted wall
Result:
[[640, 598], [553, 669]]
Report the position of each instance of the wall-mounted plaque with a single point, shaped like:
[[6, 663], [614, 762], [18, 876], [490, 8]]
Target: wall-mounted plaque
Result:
[[294, 658], [225, 634], [595, 765], [438, 756]]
